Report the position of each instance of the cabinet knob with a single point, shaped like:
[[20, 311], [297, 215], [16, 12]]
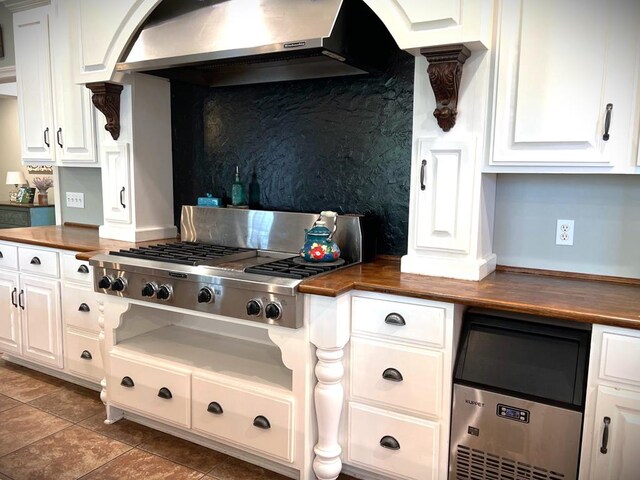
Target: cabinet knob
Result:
[[83, 269], [395, 319], [261, 422], [389, 442], [165, 393], [86, 355], [35, 261], [215, 408], [127, 382], [392, 375]]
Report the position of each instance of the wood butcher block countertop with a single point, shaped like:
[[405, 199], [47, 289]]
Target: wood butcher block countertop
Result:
[[582, 298], [566, 296], [84, 240]]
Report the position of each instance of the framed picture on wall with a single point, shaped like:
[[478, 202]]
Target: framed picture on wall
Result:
[[1, 44]]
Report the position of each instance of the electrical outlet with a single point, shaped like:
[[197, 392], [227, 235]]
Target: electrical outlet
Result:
[[564, 232], [75, 200]]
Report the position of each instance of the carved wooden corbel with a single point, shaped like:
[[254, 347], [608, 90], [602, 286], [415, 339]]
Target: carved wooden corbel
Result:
[[445, 71], [106, 98]]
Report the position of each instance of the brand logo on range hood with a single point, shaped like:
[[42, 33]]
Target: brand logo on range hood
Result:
[[294, 44]]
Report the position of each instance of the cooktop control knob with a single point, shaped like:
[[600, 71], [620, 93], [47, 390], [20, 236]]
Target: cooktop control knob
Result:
[[149, 289], [205, 295], [105, 282], [273, 311], [164, 292], [254, 308], [119, 285]]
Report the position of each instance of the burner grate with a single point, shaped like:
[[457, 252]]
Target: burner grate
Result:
[[292, 268], [182, 253]]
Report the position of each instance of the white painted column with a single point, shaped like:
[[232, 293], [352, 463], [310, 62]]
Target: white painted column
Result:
[[330, 320]]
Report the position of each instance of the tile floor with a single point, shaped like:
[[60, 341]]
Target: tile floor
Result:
[[54, 430]]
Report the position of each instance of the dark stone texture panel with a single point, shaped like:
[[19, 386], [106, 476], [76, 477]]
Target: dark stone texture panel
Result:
[[340, 144]]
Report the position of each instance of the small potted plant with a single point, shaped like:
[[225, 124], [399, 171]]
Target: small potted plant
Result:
[[43, 184]]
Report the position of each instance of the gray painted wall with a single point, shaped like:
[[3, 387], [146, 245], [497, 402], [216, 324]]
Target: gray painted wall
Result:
[[606, 210], [87, 181], [6, 22]]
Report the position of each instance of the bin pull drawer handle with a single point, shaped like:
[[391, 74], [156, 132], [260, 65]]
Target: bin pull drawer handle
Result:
[[215, 408], [1, 256], [83, 269], [127, 382], [35, 261], [395, 319], [605, 435], [86, 355], [165, 393], [389, 442], [261, 422], [84, 307], [392, 375]]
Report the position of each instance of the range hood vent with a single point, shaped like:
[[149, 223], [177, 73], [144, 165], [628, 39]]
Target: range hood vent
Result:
[[235, 42]]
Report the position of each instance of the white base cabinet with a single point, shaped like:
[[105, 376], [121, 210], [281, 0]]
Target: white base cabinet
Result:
[[611, 433], [30, 319]]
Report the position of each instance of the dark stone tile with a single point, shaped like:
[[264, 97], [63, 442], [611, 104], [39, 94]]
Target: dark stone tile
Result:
[[123, 430], [6, 403], [183, 452], [139, 465], [234, 469], [68, 454], [23, 425], [71, 402]]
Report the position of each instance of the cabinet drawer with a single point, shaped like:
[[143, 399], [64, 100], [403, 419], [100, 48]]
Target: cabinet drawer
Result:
[[145, 383], [400, 320], [240, 410], [39, 262], [83, 356], [76, 270], [80, 308], [370, 428], [418, 390], [8, 257], [620, 358]]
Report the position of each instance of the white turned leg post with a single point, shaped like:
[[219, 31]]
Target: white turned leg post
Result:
[[330, 321], [328, 396]]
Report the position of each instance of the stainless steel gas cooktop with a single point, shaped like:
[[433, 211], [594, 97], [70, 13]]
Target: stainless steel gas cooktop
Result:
[[237, 263]]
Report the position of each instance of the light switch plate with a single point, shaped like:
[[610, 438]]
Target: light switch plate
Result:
[[75, 200]]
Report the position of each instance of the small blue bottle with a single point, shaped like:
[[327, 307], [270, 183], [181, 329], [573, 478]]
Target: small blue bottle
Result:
[[238, 197]]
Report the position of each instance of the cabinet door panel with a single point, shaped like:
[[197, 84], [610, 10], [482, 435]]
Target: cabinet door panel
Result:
[[74, 122], [558, 68], [621, 460], [31, 37], [116, 192], [9, 314], [41, 321], [444, 214]]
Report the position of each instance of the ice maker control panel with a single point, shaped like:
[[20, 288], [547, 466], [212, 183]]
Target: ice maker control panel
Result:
[[513, 413]]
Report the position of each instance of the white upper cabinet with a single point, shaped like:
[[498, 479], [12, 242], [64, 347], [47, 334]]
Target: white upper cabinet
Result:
[[418, 23], [33, 73], [567, 85], [55, 114]]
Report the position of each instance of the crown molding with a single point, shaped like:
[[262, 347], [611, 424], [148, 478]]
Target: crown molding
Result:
[[18, 5]]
